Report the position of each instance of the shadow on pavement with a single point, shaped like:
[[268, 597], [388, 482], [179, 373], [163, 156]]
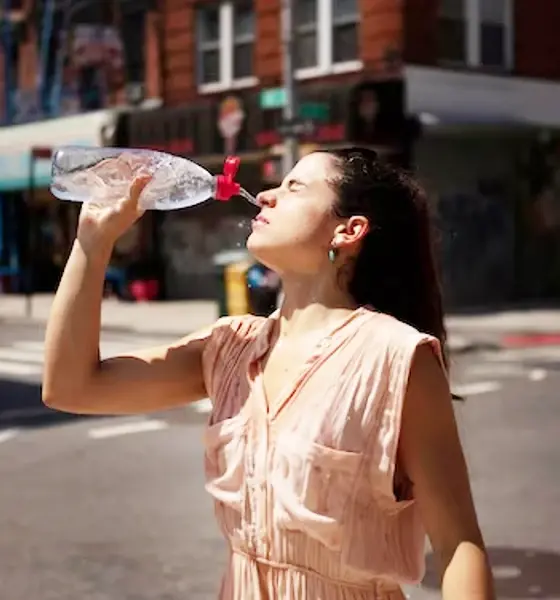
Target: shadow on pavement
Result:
[[518, 573], [21, 406]]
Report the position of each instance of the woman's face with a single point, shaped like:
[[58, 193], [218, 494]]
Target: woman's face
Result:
[[296, 225]]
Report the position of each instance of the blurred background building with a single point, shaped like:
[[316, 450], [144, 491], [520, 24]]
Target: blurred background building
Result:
[[465, 92]]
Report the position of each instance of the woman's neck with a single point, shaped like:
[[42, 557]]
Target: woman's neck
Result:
[[308, 308]]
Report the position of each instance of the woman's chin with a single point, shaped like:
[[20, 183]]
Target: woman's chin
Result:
[[261, 248], [256, 242]]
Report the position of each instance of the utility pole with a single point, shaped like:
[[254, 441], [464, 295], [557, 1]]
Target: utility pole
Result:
[[291, 153], [61, 55], [7, 42]]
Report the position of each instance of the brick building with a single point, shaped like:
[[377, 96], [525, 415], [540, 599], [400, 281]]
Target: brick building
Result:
[[480, 77]]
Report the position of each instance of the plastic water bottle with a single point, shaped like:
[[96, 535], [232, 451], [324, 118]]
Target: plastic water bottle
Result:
[[103, 175]]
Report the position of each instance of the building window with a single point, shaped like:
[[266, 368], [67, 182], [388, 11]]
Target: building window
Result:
[[345, 19], [225, 44], [326, 36], [452, 31], [306, 38], [476, 33], [243, 41], [495, 33]]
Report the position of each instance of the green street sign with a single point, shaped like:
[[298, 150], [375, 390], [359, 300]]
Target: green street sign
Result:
[[314, 110], [273, 98]]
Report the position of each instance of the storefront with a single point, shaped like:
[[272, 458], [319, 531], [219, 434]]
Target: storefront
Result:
[[36, 230], [489, 156]]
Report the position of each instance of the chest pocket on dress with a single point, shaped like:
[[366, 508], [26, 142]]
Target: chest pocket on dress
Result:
[[314, 486]]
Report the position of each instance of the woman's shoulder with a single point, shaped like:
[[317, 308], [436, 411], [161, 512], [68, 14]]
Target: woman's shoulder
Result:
[[384, 332], [231, 332], [385, 324], [245, 326]]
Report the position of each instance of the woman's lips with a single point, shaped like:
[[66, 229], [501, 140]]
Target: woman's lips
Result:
[[260, 220]]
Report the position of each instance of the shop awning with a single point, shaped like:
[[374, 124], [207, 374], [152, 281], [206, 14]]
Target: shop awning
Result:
[[17, 141], [463, 98], [461, 122]]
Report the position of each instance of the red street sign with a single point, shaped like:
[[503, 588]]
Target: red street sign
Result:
[[41, 152]]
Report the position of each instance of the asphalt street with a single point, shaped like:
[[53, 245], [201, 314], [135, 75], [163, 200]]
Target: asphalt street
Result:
[[115, 508]]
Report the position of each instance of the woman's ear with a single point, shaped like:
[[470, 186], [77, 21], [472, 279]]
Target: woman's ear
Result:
[[351, 232]]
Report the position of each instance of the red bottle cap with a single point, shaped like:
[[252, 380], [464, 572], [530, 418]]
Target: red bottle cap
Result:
[[226, 187]]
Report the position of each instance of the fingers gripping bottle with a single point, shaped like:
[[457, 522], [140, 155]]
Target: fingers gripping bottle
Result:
[[104, 175]]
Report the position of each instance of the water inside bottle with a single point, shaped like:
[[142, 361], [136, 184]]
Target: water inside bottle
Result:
[[245, 194]]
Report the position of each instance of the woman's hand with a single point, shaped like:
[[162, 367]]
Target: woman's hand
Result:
[[102, 223]]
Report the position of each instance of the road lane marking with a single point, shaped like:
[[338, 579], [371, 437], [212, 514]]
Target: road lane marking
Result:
[[21, 355], [203, 406], [99, 433], [479, 387], [29, 346], [496, 370], [545, 354], [19, 369], [537, 375], [8, 434]]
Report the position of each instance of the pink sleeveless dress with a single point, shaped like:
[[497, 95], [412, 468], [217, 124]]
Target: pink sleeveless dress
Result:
[[304, 495]]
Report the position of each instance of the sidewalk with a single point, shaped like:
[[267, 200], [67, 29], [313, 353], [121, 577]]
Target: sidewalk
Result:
[[496, 329], [173, 318], [178, 318]]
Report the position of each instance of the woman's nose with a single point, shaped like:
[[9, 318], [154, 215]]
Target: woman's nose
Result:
[[266, 198]]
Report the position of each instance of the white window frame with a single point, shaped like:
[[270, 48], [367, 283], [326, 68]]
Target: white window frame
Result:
[[225, 46], [324, 30], [473, 37]]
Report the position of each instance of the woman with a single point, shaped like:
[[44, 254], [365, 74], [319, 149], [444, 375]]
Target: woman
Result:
[[332, 446]]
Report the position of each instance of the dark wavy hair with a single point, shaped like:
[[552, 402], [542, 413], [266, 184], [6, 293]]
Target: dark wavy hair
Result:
[[395, 271]]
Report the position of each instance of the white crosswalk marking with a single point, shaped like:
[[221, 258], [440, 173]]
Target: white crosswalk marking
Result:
[[15, 369], [476, 388], [491, 371], [101, 433], [203, 406], [24, 358], [8, 434], [17, 355]]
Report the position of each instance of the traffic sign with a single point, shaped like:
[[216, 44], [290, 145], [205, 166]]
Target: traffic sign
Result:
[[273, 98], [296, 128], [314, 110]]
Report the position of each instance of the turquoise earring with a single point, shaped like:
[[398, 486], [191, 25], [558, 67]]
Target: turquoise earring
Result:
[[332, 255]]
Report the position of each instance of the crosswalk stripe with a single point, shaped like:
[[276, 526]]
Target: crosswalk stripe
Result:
[[100, 433], [476, 388], [537, 374], [15, 355], [7, 435], [29, 345], [203, 406], [19, 368], [25, 357], [118, 342], [496, 370]]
